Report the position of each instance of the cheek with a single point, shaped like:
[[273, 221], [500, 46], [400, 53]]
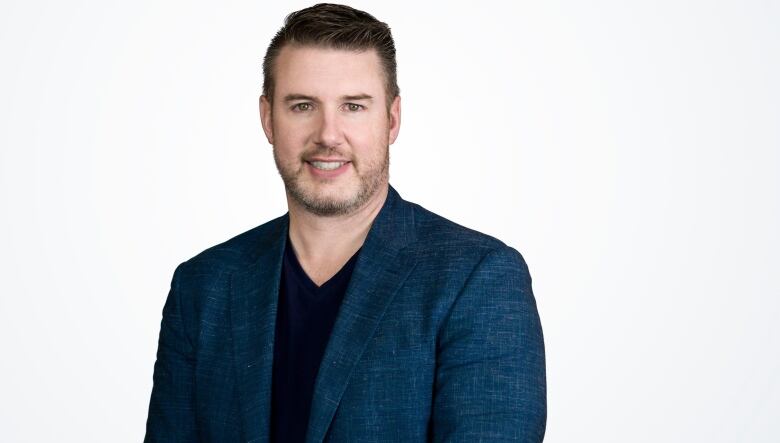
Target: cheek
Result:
[[368, 137], [290, 142]]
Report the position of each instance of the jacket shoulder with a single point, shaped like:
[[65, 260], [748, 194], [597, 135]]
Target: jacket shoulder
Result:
[[237, 251], [437, 232]]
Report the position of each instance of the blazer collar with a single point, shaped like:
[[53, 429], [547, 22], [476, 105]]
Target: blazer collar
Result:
[[382, 266]]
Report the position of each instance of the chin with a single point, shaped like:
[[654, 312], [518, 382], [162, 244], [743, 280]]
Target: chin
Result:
[[324, 200]]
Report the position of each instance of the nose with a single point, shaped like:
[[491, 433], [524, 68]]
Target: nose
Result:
[[328, 132]]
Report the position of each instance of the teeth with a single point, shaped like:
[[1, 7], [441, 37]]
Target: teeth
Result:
[[327, 166]]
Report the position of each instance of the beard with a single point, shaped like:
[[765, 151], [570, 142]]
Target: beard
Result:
[[306, 194]]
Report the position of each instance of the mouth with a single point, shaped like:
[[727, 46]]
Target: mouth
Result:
[[327, 165], [327, 169]]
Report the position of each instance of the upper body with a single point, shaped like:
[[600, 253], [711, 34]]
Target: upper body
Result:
[[438, 339], [436, 334]]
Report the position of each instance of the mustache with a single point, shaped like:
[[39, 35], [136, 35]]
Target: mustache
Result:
[[325, 151]]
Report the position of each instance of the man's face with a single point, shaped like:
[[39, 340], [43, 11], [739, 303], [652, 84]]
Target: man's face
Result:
[[330, 127]]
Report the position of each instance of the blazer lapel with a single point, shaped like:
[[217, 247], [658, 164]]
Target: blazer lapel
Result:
[[254, 296], [382, 267]]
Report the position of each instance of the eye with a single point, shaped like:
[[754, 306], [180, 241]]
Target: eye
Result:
[[354, 107], [301, 107]]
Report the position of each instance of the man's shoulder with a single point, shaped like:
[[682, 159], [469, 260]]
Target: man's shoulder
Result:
[[449, 252], [238, 251], [441, 235]]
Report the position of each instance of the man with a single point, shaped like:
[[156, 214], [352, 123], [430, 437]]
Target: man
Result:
[[356, 316]]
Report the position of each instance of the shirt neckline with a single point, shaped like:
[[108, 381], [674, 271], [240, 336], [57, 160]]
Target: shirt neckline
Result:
[[292, 260]]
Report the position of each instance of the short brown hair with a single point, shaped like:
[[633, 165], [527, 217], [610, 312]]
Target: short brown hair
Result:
[[338, 27]]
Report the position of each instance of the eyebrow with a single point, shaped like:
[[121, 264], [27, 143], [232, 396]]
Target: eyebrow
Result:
[[357, 97], [293, 97]]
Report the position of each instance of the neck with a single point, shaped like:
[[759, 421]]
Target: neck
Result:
[[318, 239]]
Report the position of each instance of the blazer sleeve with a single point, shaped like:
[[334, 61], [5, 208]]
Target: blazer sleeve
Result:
[[171, 408], [490, 372]]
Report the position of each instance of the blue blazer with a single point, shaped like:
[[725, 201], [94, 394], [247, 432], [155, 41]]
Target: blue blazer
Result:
[[437, 339]]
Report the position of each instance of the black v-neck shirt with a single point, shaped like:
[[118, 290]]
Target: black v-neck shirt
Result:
[[305, 317]]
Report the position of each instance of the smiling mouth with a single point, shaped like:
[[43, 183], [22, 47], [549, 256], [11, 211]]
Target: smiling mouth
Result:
[[327, 166]]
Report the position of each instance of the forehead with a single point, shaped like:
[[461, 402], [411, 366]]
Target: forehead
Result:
[[326, 72]]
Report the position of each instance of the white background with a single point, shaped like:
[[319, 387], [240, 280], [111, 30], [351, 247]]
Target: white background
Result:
[[629, 150]]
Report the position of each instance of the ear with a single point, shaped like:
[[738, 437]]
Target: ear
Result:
[[266, 119], [395, 119]]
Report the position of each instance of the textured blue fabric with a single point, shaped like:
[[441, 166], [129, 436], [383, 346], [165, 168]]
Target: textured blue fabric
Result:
[[437, 339]]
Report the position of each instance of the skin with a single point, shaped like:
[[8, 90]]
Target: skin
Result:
[[330, 103]]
